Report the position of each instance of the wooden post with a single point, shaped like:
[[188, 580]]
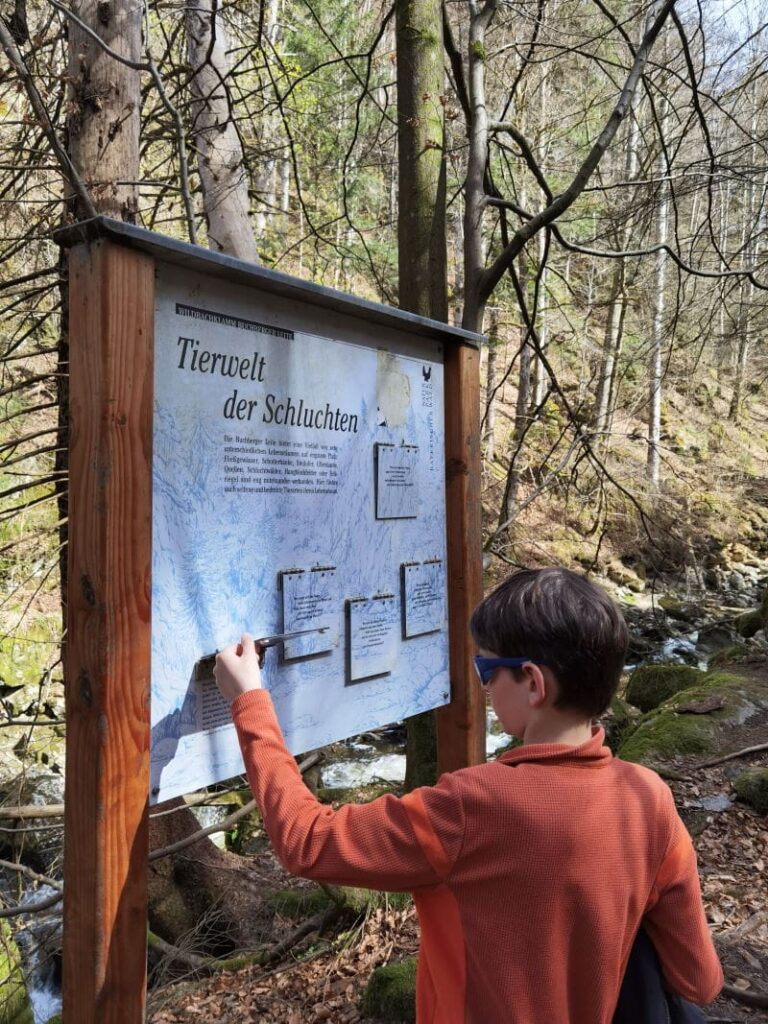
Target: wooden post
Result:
[[107, 657], [461, 724]]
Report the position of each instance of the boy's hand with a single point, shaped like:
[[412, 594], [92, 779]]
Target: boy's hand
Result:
[[237, 669]]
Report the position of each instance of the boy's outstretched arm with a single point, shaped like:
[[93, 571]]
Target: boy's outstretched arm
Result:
[[677, 925], [391, 843]]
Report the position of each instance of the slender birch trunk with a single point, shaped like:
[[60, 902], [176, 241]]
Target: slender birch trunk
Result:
[[657, 340], [618, 301], [265, 185], [474, 191], [220, 163], [489, 440], [752, 235]]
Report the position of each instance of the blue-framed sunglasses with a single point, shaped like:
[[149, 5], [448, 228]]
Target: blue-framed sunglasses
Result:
[[485, 667]]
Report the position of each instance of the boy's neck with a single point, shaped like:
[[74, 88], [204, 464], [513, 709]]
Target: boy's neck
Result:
[[558, 728]]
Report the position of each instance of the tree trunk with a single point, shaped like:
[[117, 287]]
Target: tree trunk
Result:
[[104, 106], [202, 895], [223, 176], [421, 159], [421, 233]]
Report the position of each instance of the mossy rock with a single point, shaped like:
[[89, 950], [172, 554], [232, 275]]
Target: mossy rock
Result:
[[357, 794], [664, 734], [752, 788], [679, 610], [651, 685], [390, 995], [749, 623], [14, 1001]]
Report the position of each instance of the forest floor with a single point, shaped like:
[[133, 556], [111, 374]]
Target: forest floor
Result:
[[323, 978]]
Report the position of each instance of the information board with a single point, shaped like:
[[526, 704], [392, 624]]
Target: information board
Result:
[[298, 469]]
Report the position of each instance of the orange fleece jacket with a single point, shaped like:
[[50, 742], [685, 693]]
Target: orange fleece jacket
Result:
[[531, 874]]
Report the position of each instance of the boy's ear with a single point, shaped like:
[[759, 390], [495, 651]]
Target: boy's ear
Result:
[[538, 684]]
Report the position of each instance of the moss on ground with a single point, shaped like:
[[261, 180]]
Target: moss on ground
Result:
[[391, 993], [751, 787], [650, 685], [300, 903]]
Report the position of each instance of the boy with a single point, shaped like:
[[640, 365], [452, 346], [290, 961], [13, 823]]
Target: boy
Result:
[[531, 874]]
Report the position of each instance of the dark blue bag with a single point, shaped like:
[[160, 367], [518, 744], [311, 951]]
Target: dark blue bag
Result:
[[643, 998]]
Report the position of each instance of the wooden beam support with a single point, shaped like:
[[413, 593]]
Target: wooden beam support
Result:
[[461, 724], [107, 657]]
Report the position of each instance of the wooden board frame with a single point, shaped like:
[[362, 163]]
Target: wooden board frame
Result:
[[107, 655]]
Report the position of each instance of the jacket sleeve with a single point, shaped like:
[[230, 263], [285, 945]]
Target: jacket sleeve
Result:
[[390, 843], [676, 922]]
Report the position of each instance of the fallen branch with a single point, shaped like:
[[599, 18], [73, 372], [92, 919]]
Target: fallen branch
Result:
[[730, 757], [22, 869], [740, 931], [227, 823], [757, 999], [24, 812]]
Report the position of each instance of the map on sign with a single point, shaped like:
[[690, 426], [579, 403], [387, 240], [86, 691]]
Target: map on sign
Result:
[[297, 468]]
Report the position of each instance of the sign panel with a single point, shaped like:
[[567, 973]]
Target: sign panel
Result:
[[298, 465], [424, 608]]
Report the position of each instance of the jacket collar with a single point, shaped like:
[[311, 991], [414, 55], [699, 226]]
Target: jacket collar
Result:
[[592, 754]]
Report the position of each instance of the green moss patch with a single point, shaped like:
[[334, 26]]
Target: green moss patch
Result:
[[300, 903], [391, 993], [751, 787], [650, 685], [619, 721], [14, 1002]]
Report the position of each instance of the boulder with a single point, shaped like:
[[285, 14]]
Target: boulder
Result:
[[391, 993], [650, 685], [751, 787], [716, 635], [749, 623], [669, 732]]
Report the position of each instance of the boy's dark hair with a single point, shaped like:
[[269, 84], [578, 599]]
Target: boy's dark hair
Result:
[[561, 619]]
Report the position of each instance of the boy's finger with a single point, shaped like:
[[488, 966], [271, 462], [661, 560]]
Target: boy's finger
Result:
[[249, 647]]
